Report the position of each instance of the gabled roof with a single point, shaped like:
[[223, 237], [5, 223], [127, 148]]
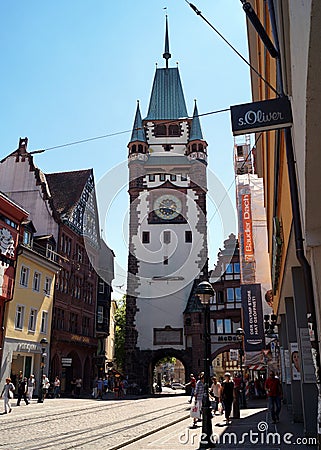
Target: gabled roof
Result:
[[196, 131], [66, 188], [138, 133], [167, 97]]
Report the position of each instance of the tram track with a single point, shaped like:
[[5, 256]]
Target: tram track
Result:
[[66, 429]]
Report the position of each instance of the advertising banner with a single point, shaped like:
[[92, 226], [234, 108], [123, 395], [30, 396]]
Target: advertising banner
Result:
[[254, 339]]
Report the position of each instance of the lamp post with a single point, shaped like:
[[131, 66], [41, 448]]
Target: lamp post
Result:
[[44, 344], [205, 291], [240, 336]]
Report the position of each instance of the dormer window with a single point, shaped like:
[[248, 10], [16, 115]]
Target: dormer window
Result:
[[27, 238], [174, 130]]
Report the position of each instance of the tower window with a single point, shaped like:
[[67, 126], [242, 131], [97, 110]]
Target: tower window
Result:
[[167, 147], [173, 177], [160, 130], [162, 177], [146, 237], [167, 237], [183, 178], [188, 236], [239, 150], [174, 130], [151, 177]]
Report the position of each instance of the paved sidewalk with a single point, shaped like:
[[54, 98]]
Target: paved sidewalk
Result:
[[253, 430]]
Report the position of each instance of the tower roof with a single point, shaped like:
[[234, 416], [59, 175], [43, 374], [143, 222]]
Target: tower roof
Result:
[[196, 131], [166, 53], [167, 98], [138, 133]]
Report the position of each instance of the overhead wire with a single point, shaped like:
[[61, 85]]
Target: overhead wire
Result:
[[104, 136]]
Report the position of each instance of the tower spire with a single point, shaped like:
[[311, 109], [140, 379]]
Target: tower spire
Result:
[[166, 54]]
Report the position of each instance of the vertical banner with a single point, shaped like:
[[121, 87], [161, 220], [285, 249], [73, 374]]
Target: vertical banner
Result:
[[247, 227], [254, 339]]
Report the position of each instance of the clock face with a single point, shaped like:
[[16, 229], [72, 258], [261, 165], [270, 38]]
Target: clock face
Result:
[[167, 207]]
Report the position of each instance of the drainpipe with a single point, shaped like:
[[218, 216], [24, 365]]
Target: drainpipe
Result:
[[297, 225]]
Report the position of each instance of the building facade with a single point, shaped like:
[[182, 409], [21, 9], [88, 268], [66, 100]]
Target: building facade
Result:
[[63, 206], [167, 230], [11, 218], [28, 316], [288, 160]]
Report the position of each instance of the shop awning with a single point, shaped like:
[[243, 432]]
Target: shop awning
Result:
[[257, 367]]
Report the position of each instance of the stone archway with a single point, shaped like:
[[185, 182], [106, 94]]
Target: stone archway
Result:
[[55, 367]]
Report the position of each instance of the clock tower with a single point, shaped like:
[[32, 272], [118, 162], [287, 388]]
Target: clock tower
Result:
[[167, 160]]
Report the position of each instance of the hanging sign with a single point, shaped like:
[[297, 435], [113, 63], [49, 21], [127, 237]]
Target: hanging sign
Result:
[[252, 317], [261, 116]]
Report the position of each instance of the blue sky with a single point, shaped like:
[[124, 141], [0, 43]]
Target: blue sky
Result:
[[73, 70]]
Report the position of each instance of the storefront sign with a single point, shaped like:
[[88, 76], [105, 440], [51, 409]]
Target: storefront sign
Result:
[[247, 227], [261, 116], [254, 339], [27, 347]]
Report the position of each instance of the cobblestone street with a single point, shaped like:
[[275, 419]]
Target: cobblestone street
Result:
[[143, 424]]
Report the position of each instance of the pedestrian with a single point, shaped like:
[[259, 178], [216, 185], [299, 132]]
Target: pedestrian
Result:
[[125, 386], [215, 392], [78, 386], [100, 386], [192, 384], [227, 395], [7, 394], [22, 391], [274, 393], [45, 385], [57, 387], [31, 384], [198, 395]]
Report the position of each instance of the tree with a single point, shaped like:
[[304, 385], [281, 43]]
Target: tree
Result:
[[120, 327]]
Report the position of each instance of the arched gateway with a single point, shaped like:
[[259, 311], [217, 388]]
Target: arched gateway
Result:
[[167, 162]]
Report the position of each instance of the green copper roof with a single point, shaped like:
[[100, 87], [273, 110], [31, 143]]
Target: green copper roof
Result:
[[138, 133], [167, 98], [196, 132]]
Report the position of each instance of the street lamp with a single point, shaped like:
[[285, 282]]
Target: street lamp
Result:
[[44, 344], [205, 291], [239, 336]]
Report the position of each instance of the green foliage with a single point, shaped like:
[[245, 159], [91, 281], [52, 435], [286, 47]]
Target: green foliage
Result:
[[167, 359], [120, 327]]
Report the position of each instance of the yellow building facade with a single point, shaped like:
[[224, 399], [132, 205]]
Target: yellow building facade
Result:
[[289, 161], [28, 316]]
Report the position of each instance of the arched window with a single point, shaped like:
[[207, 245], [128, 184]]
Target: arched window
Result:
[[200, 147], [140, 148], [194, 148], [174, 130], [160, 130], [133, 149]]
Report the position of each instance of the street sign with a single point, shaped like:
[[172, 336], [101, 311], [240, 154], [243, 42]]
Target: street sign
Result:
[[67, 362]]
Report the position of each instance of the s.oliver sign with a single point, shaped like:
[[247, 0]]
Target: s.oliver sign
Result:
[[261, 116]]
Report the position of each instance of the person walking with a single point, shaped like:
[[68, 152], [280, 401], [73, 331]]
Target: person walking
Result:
[[274, 393], [45, 385], [78, 387], [215, 392], [56, 387], [192, 384], [22, 391], [198, 395], [7, 394], [31, 384], [227, 395]]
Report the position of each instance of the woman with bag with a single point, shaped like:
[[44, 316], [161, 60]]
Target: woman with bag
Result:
[[7, 393], [195, 412]]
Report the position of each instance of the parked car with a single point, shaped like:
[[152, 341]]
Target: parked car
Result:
[[177, 385]]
